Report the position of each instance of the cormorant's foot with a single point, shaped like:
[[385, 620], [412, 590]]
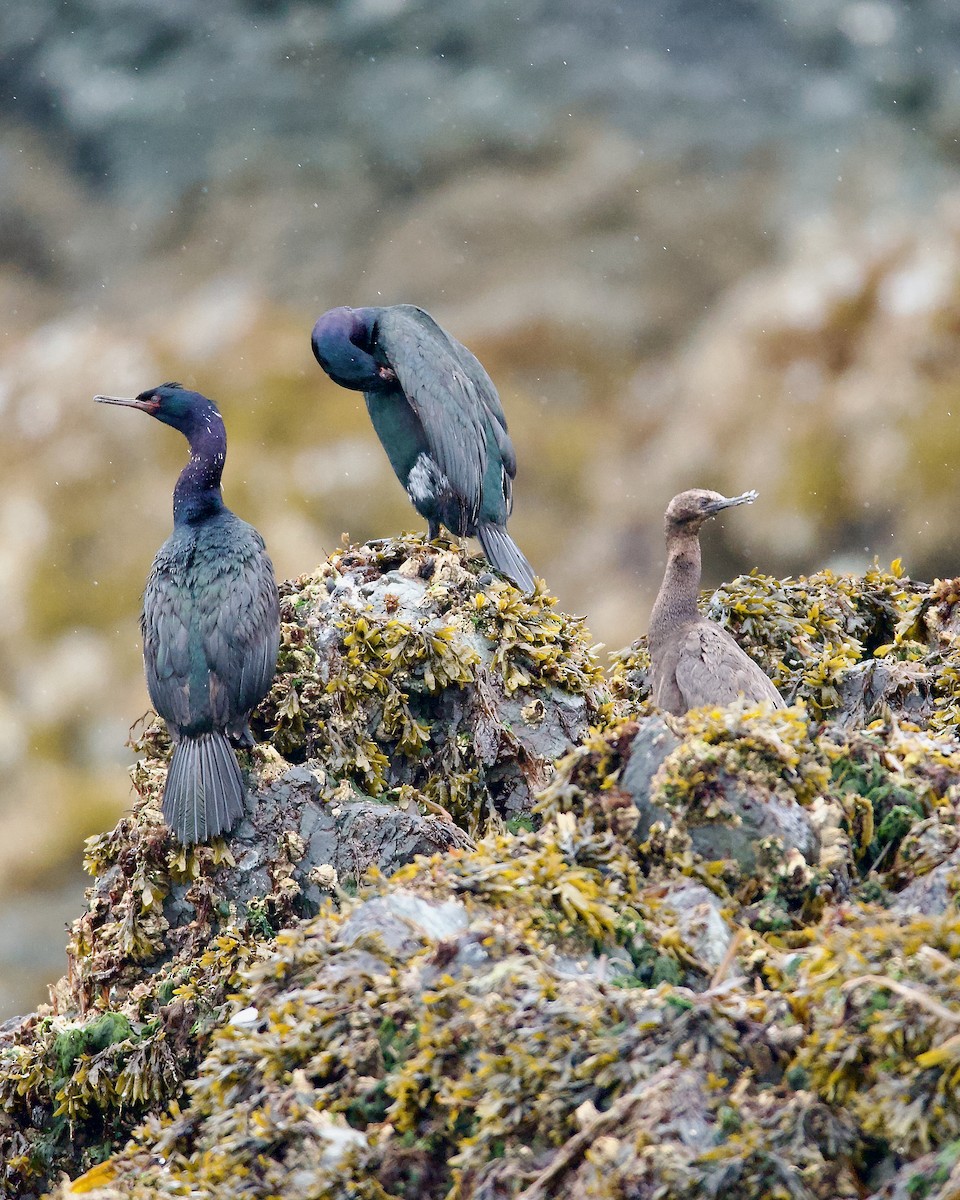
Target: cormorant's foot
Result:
[[442, 538], [243, 739]]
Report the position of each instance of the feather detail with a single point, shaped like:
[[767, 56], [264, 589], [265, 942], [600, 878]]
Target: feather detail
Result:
[[204, 793], [504, 554]]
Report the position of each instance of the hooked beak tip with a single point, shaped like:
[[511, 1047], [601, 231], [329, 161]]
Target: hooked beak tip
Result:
[[744, 498], [732, 501]]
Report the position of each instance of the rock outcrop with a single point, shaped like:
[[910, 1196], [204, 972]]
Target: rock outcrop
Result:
[[623, 955]]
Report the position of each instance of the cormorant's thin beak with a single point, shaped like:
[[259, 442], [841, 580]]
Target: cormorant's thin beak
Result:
[[147, 406], [732, 501]]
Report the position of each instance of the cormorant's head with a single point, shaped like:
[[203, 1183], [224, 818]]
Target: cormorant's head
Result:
[[175, 405], [342, 342], [688, 511]]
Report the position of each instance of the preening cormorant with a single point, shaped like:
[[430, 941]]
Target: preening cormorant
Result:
[[210, 624], [693, 661], [438, 415]]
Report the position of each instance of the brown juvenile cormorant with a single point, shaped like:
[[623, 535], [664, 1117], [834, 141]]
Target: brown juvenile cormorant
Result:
[[439, 417], [210, 624], [694, 662]]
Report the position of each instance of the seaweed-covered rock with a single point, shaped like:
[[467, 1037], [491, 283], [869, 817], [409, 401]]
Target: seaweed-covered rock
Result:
[[418, 701], [717, 956], [728, 786], [853, 648], [405, 664], [728, 807], [470, 1031], [879, 989], [700, 920]]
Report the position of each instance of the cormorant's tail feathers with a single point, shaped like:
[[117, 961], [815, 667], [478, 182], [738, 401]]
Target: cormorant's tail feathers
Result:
[[504, 554], [203, 797]]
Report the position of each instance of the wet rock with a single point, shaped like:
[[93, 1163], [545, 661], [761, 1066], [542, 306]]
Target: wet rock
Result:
[[405, 921], [699, 919], [345, 835], [746, 814], [651, 745], [870, 690], [931, 894], [752, 817]]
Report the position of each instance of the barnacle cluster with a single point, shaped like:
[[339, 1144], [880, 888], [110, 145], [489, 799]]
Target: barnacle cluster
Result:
[[716, 956]]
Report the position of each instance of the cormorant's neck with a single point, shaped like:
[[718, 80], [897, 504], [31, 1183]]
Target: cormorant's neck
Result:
[[676, 602], [197, 495]]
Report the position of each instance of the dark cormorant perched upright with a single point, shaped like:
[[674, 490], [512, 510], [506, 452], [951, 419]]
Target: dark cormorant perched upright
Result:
[[693, 661], [210, 624], [439, 417]]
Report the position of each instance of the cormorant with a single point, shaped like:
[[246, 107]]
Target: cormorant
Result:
[[693, 661], [438, 415], [210, 624]]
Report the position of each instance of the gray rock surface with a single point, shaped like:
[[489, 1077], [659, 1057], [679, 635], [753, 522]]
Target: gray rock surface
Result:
[[651, 744], [345, 836], [932, 894], [875, 687], [751, 814], [700, 921]]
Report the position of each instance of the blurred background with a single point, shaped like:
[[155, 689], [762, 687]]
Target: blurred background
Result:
[[695, 244]]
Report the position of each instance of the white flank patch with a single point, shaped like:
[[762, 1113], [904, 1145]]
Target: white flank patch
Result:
[[426, 480]]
